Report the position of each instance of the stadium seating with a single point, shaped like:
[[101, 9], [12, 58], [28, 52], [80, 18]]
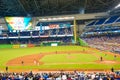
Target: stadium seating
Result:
[[104, 43], [91, 23], [44, 33], [53, 32], [35, 33], [13, 34], [100, 21], [118, 20], [104, 21], [57, 39], [111, 19], [69, 31], [61, 31], [102, 34], [61, 75], [25, 33]]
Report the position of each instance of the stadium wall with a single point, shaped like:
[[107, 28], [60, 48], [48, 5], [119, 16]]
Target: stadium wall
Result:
[[6, 46], [16, 46]]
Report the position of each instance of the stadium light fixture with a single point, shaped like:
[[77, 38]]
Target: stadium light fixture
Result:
[[54, 18], [117, 6], [61, 18], [43, 19], [49, 19]]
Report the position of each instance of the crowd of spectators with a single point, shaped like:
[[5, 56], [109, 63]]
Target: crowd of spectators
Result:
[[59, 31], [35, 33], [55, 39], [12, 34], [36, 37], [38, 40], [24, 41], [105, 37], [25, 33], [101, 28], [104, 42], [75, 75]]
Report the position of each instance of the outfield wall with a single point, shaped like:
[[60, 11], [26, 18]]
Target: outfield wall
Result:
[[29, 45], [6, 46], [16, 45], [55, 43]]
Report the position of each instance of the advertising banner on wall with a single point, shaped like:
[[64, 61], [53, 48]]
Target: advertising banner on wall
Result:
[[64, 25], [16, 46], [23, 45], [59, 25], [52, 26]]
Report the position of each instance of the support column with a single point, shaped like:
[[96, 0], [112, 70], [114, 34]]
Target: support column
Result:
[[75, 35]]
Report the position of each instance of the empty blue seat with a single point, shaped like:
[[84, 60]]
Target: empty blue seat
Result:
[[118, 20], [111, 19], [100, 21], [91, 23]]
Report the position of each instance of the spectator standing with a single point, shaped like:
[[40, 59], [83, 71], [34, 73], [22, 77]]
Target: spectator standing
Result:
[[6, 68], [112, 69]]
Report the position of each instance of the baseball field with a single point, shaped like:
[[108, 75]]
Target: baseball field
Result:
[[58, 58]]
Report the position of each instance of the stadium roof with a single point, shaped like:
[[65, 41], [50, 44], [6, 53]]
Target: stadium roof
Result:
[[53, 7]]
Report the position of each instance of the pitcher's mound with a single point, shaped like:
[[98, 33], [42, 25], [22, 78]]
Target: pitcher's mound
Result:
[[108, 62]]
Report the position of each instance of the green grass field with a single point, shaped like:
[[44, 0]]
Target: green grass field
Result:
[[73, 61]]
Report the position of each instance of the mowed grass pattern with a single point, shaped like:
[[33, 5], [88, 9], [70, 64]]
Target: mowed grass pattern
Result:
[[85, 59], [109, 57], [8, 54], [68, 58]]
